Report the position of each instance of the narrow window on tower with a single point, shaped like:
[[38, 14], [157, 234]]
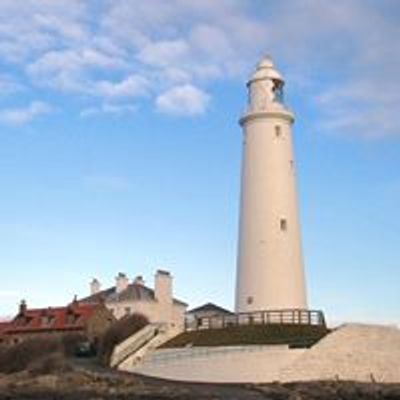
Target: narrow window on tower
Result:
[[283, 224], [250, 300], [278, 131]]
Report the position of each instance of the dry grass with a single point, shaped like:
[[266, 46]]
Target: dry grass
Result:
[[293, 335], [42, 354], [20, 356]]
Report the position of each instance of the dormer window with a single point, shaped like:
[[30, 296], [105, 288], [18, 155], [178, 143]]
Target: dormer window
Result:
[[22, 320], [46, 320], [71, 318]]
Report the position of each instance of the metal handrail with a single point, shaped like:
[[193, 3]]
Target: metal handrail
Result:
[[263, 317]]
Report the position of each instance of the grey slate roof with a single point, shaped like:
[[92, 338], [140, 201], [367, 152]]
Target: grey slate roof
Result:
[[208, 307], [134, 291]]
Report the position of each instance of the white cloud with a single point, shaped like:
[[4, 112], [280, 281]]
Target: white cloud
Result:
[[68, 69], [38, 25], [183, 100], [9, 85], [133, 85], [364, 107], [23, 115], [164, 53], [114, 109], [125, 49]]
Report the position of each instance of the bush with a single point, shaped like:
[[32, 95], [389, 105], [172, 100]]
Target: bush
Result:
[[20, 356], [51, 363], [118, 332], [45, 353]]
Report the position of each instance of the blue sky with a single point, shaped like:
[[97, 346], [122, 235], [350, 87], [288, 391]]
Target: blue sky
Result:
[[120, 147]]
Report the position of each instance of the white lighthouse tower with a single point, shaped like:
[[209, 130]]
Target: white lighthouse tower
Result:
[[270, 273]]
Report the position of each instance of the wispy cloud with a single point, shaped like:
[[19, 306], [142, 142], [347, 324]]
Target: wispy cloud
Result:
[[183, 100], [132, 86], [23, 115], [9, 85], [112, 109], [128, 50], [125, 49]]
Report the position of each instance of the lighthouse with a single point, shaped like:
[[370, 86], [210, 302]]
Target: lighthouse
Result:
[[270, 273]]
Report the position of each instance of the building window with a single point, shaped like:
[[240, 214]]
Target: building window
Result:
[[278, 131], [47, 320], [71, 318], [283, 224], [250, 300]]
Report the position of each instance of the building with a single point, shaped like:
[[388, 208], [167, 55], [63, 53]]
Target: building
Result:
[[90, 320], [270, 272], [206, 315], [125, 298], [3, 327]]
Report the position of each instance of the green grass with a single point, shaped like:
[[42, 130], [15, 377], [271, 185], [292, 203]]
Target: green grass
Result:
[[293, 335]]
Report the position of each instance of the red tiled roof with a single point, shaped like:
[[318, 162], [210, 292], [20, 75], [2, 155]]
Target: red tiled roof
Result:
[[4, 325], [71, 317]]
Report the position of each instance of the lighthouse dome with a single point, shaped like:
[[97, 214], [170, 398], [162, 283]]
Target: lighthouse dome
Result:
[[266, 70]]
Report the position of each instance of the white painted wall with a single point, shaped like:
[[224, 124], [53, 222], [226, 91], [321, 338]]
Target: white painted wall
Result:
[[156, 312], [218, 364], [270, 271], [161, 309]]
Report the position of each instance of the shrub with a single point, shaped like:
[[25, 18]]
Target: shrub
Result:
[[118, 332], [51, 363], [20, 356]]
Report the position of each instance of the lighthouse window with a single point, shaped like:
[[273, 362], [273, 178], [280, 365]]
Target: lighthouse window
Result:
[[283, 224], [278, 131], [250, 300]]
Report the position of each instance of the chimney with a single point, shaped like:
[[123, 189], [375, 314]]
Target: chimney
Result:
[[94, 286], [22, 307], [163, 286], [139, 280], [121, 282]]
